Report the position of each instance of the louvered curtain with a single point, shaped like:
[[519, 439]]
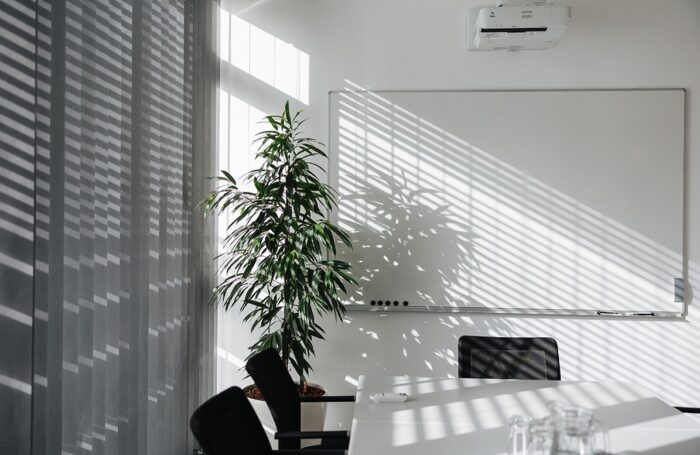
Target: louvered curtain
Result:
[[108, 234], [17, 152]]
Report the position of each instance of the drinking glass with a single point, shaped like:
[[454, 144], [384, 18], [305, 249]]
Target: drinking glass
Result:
[[541, 436], [576, 432], [519, 436]]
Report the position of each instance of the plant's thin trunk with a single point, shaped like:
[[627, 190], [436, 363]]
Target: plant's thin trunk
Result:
[[285, 341]]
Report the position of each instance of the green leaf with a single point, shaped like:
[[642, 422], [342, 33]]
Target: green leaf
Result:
[[272, 267], [229, 177]]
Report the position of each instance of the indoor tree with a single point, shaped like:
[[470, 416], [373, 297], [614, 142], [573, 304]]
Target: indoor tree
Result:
[[277, 264]]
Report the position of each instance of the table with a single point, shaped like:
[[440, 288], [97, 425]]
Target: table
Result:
[[469, 416]]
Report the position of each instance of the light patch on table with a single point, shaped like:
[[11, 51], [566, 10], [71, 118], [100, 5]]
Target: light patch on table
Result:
[[569, 394], [454, 416], [529, 402], [435, 428], [403, 415], [648, 440], [486, 414], [460, 420], [590, 395], [425, 387], [605, 396], [514, 405], [405, 431], [446, 385]]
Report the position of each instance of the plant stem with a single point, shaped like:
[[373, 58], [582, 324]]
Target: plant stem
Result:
[[286, 341]]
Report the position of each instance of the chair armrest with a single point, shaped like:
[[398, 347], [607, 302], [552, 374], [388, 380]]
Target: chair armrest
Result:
[[311, 435], [687, 410], [308, 452], [328, 398]]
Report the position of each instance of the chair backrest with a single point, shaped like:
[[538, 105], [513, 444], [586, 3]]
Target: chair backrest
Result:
[[508, 358], [226, 424], [279, 391]]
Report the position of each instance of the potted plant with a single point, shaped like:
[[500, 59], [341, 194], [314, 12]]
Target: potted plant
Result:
[[274, 266]]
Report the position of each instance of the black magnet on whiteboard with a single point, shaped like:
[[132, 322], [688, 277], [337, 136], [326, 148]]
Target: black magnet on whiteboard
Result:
[[608, 313]]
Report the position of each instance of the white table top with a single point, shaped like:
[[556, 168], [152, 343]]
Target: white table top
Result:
[[469, 416]]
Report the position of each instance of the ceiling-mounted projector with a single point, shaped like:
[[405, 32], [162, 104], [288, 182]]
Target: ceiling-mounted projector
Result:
[[512, 26]]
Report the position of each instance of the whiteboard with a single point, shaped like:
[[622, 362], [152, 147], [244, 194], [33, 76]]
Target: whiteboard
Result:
[[536, 202]]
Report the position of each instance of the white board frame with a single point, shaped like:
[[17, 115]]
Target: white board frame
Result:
[[642, 313]]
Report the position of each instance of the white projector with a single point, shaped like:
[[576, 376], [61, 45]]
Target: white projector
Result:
[[536, 26]]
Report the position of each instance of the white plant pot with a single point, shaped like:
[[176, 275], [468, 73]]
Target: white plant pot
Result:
[[313, 416]]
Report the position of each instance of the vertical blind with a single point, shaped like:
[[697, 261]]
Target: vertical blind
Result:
[[17, 152], [103, 230]]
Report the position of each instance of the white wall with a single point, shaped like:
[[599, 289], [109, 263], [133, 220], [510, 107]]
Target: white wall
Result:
[[394, 44]]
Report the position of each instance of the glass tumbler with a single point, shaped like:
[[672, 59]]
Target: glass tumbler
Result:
[[576, 432], [541, 436], [519, 435]]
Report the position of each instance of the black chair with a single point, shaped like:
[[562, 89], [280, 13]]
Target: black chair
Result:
[[508, 358], [687, 410], [281, 395], [226, 424]]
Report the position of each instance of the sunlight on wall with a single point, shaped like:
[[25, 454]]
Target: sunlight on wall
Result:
[[465, 228], [264, 56], [238, 124], [229, 357]]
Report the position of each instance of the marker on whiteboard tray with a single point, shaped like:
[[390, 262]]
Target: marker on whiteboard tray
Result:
[[608, 313], [647, 313]]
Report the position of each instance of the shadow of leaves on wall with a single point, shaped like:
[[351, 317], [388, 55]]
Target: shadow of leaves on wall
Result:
[[408, 222]]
